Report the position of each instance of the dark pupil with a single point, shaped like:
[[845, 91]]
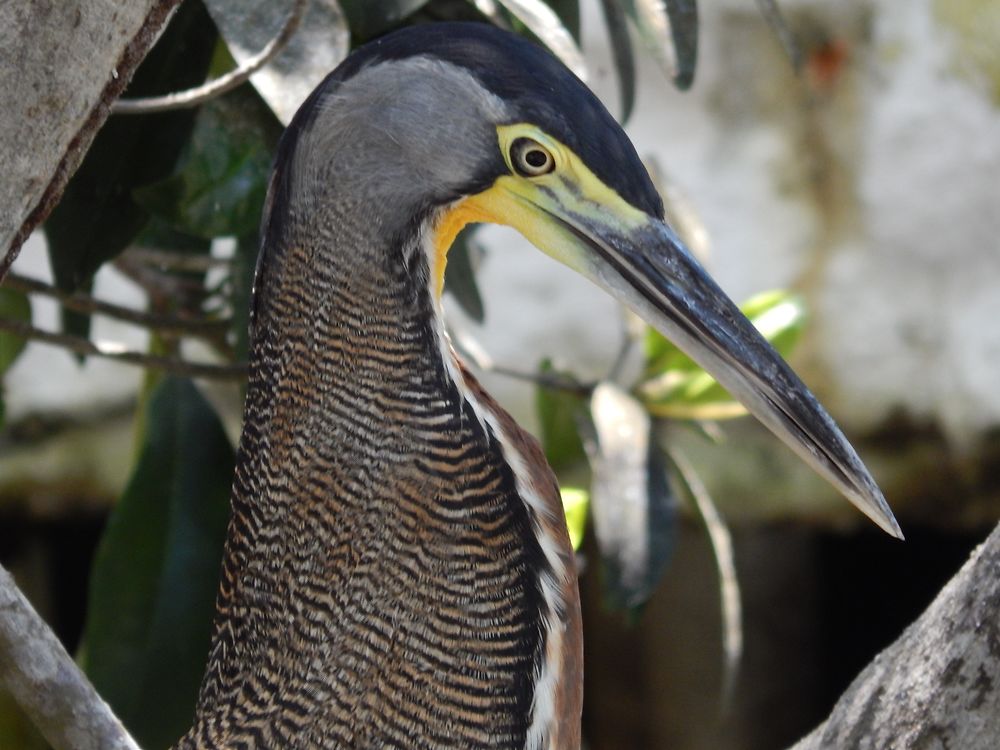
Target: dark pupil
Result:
[[536, 158]]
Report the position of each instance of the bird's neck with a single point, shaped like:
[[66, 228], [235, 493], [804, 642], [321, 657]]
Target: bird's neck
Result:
[[382, 551]]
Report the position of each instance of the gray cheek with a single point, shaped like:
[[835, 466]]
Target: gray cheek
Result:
[[397, 137]]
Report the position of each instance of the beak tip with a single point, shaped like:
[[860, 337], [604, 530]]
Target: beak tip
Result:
[[890, 525], [896, 531], [877, 509]]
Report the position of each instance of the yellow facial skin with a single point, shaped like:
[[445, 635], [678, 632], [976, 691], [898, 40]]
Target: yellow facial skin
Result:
[[574, 217], [531, 204]]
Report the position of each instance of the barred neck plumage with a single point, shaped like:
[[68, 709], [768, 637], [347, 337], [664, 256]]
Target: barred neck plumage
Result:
[[388, 579]]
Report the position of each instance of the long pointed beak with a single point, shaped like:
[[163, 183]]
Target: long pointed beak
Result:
[[646, 267], [577, 219]]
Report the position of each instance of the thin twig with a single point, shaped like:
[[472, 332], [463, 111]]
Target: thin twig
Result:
[[556, 382], [729, 585], [160, 284], [118, 353], [216, 87], [84, 303], [47, 684], [169, 260], [470, 349]]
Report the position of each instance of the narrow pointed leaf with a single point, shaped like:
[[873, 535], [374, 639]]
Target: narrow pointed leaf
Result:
[[156, 573], [631, 503], [569, 13], [730, 599], [621, 48], [317, 46], [543, 22], [669, 30], [683, 15], [460, 274]]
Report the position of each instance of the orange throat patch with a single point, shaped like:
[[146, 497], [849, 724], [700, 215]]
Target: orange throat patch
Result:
[[471, 210]]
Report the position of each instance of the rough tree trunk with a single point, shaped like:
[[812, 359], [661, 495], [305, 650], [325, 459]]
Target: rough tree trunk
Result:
[[62, 64], [938, 685]]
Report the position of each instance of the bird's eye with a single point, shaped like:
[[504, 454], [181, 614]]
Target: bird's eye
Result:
[[530, 158]]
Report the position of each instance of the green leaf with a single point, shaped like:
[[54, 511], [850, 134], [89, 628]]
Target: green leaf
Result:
[[156, 572], [576, 503], [683, 15], [569, 13], [630, 499], [675, 386], [558, 412], [369, 18], [669, 29], [97, 217], [621, 48], [460, 274], [219, 188], [780, 316], [14, 306]]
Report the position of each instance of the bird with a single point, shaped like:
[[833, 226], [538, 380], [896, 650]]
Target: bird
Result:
[[397, 571]]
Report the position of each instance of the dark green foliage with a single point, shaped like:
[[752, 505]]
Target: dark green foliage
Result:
[[621, 48], [13, 306], [218, 188], [369, 18], [97, 216], [156, 573]]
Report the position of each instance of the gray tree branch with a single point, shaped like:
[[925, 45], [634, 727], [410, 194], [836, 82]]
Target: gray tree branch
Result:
[[62, 64], [36, 670], [938, 685]]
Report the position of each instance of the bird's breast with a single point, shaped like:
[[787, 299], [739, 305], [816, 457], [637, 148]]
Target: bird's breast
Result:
[[384, 570]]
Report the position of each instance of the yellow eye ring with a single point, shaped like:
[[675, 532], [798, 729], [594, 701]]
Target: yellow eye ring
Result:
[[529, 158]]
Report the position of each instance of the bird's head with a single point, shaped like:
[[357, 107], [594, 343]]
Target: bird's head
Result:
[[438, 126]]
